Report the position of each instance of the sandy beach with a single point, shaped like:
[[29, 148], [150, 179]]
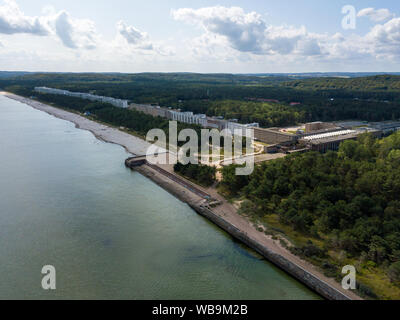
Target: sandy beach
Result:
[[132, 144]]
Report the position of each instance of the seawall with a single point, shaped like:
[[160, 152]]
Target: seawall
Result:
[[319, 286]]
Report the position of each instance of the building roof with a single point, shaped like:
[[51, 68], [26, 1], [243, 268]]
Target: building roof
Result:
[[334, 134], [334, 139]]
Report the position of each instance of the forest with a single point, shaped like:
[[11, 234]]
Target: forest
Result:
[[378, 83], [248, 98], [347, 200], [202, 174]]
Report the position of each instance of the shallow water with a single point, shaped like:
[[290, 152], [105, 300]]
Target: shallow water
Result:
[[67, 200]]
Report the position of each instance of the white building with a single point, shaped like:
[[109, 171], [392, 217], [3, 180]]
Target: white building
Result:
[[188, 117], [241, 129], [115, 102], [175, 115]]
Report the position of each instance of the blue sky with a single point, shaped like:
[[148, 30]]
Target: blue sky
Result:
[[199, 36]]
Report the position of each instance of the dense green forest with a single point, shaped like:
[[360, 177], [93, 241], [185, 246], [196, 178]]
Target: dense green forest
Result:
[[349, 199], [382, 83], [242, 97], [202, 174], [266, 114]]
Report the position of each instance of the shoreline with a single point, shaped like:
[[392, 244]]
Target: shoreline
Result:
[[224, 216], [106, 133], [240, 229]]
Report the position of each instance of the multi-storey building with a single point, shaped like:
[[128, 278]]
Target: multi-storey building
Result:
[[324, 142], [154, 111], [113, 101], [241, 129], [188, 117]]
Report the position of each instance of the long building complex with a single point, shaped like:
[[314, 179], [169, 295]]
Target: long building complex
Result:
[[188, 117], [198, 119], [115, 102], [324, 142], [315, 136], [157, 111], [274, 136]]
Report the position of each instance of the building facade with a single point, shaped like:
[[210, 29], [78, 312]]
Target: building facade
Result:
[[188, 117], [274, 136], [241, 129], [113, 101], [331, 140]]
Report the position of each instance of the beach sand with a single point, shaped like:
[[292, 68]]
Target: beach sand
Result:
[[132, 144]]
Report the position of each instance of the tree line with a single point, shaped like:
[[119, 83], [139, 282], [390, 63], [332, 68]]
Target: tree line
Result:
[[235, 97], [347, 199], [204, 175]]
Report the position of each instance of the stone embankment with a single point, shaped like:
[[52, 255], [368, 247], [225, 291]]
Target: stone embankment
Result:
[[201, 204]]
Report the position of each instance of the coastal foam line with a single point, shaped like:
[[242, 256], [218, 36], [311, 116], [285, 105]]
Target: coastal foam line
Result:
[[132, 144], [223, 216]]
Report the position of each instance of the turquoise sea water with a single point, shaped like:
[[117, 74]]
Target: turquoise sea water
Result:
[[67, 200]]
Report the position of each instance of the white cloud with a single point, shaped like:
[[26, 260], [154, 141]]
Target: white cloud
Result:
[[13, 20], [385, 38], [284, 40], [244, 31], [75, 33], [248, 32], [376, 15], [133, 39], [381, 42], [210, 46], [131, 34], [309, 47], [231, 39]]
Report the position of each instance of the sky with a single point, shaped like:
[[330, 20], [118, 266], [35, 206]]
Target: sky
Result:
[[226, 36]]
